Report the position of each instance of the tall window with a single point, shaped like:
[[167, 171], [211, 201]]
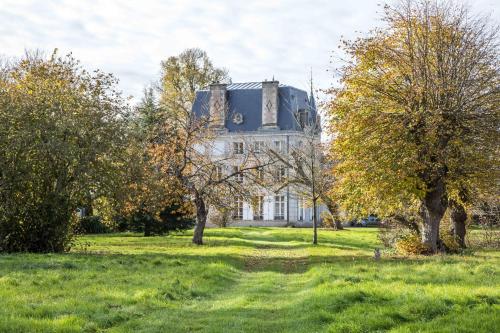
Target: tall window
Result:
[[280, 173], [238, 209], [302, 209], [258, 207], [237, 174], [258, 147], [218, 172], [279, 207], [260, 173], [238, 147], [279, 146]]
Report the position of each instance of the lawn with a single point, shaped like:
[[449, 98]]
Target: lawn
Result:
[[247, 280]]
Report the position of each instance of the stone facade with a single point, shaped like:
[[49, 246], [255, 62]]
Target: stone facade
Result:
[[286, 208]]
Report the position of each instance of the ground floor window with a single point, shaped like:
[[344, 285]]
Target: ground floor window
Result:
[[279, 207], [238, 209], [258, 208], [301, 216]]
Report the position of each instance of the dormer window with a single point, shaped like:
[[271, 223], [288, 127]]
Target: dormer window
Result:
[[303, 118]]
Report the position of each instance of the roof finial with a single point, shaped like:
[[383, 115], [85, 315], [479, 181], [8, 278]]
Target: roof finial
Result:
[[273, 77], [311, 98]]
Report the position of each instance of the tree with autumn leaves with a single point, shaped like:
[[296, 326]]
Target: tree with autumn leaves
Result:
[[61, 141], [182, 148], [415, 121]]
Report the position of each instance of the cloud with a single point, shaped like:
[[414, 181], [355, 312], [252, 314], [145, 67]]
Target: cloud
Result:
[[253, 39]]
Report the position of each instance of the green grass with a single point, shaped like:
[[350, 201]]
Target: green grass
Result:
[[247, 280]]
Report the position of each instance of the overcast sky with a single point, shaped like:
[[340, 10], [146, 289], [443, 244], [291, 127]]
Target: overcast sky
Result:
[[254, 39]]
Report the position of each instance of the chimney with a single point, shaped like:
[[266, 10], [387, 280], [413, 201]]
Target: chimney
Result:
[[218, 104], [270, 104]]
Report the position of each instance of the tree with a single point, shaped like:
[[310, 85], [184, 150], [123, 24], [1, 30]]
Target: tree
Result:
[[61, 136], [183, 75], [309, 172], [183, 146], [416, 119]]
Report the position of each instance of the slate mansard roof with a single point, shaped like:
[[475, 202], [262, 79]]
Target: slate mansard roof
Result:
[[246, 99]]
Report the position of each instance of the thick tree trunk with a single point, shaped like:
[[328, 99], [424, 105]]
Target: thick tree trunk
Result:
[[315, 223], [333, 209], [201, 220], [458, 217], [432, 210]]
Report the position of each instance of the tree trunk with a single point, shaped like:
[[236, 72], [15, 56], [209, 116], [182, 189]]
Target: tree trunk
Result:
[[201, 220], [333, 209], [315, 223], [432, 210], [458, 217]]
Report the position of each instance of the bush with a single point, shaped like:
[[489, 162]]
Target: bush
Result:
[[172, 218], [449, 243], [176, 218], [91, 225], [43, 225], [220, 217], [411, 244], [395, 228], [327, 221]]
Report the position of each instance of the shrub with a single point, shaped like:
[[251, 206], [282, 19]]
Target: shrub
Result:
[[328, 221], [220, 217], [395, 228], [411, 244], [91, 225], [41, 226], [449, 243], [175, 218], [172, 218]]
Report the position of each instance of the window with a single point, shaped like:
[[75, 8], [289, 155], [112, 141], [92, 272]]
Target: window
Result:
[[258, 147], [279, 207], [218, 172], [238, 147], [238, 175], [279, 146], [280, 173], [260, 173], [301, 216], [303, 118], [258, 207], [238, 209]]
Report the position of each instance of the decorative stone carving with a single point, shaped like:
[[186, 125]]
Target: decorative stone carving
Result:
[[238, 118]]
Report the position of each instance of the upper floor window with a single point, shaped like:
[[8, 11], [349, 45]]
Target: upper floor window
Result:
[[258, 147], [238, 175], [279, 146], [218, 172], [280, 173], [238, 147]]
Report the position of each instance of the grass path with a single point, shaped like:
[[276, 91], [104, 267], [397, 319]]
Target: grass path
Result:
[[247, 280]]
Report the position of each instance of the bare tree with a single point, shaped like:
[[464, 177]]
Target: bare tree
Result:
[[185, 151], [309, 167]]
